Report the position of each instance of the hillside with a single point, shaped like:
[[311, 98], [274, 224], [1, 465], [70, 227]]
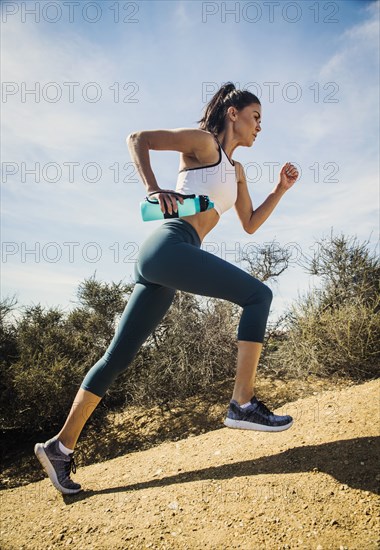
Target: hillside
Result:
[[313, 486]]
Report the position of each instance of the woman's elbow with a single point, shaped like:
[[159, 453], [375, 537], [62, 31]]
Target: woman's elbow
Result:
[[249, 230], [250, 227], [133, 136]]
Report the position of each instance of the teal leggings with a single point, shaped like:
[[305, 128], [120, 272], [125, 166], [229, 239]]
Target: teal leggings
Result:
[[171, 259]]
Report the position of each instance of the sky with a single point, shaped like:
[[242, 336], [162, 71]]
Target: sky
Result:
[[79, 77]]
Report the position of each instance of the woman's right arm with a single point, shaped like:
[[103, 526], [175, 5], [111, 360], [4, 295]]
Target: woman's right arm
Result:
[[186, 140], [139, 151]]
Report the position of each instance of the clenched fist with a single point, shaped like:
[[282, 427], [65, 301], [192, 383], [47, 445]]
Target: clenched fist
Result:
[[288, 176]]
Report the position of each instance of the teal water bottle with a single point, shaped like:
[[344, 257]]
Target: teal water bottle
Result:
[[192, 204]]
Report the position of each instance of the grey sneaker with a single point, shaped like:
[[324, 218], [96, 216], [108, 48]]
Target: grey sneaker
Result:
[[256, 416], [57, 465]]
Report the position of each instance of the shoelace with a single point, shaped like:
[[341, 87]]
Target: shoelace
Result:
[[70, 466], [263, 408]]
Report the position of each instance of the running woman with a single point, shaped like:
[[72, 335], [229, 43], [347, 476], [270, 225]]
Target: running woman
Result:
[[171, 259]]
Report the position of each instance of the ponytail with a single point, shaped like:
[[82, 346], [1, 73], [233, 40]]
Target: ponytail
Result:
[[213, 119]]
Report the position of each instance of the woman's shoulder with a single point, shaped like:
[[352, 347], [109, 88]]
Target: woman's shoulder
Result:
[[200, 134], [202, 140]]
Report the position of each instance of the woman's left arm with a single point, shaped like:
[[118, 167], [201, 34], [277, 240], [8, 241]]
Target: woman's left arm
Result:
[[252, 219]]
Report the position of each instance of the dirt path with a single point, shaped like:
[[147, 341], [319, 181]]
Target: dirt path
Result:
[[314, 486]]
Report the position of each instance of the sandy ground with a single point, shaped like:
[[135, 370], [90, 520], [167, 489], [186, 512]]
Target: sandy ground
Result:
[[314, 486]]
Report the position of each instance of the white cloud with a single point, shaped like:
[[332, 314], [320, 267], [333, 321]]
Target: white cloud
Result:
[[181, 17], [68, 72]]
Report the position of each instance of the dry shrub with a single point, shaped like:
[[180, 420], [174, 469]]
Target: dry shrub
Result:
[[335, 329], [193, 347], [337, 341]]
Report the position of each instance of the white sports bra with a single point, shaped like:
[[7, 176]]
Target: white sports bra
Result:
[[218, 181]]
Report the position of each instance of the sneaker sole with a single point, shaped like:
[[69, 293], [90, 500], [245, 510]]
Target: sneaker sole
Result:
[[39, 451], [244, 425]]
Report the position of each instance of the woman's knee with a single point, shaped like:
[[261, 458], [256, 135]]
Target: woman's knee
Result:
[[261, 294], [267, 294]]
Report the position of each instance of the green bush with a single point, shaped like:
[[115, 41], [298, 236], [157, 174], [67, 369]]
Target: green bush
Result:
[[9, 354], [46, 353]]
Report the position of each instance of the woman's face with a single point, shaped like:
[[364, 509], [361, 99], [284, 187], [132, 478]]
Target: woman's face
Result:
[[247, 124]]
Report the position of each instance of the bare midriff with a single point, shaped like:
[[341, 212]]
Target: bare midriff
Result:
[[203, 222]]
